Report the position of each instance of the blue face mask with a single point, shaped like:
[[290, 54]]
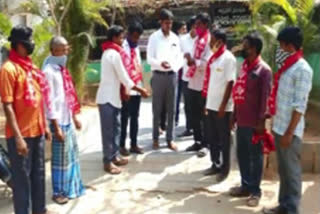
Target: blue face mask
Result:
[[132, 44], [57, 60]]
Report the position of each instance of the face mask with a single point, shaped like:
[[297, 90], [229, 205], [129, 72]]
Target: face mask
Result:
[[200, 31], [132, 44], [57, 60], [29, 46], [244, 53], [281, 56]]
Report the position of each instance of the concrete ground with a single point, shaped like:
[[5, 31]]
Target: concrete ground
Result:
[[158, 182]]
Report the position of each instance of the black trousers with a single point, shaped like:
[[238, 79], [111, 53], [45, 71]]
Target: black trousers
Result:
[[28, 176], [219, 139], [130, 110], [187, 104], [198, 119]]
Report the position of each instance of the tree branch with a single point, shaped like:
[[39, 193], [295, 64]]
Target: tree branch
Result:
[[52, 7], [64, 13], [114, 12]]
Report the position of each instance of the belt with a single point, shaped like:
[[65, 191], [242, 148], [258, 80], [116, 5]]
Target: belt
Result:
[[164, 72]]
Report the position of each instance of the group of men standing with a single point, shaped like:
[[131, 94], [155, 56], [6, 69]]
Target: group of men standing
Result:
[[217, 99]]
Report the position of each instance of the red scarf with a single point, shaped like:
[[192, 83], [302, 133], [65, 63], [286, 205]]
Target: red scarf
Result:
[[200, 44], [272, 102], [71, 94], [240, 88], [215, 56], [131, 65], [267, 140], [32, 72]]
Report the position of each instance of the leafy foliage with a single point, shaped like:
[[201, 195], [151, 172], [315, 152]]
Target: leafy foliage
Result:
[[270, 16], [5, 28], [75, 20], [42, 36]]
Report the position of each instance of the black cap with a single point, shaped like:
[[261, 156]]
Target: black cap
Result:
[[20, 33]]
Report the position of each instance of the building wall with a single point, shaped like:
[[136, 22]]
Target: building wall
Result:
[[11, 8]]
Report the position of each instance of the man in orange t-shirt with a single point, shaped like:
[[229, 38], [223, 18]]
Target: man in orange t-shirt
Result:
[[22, 87]]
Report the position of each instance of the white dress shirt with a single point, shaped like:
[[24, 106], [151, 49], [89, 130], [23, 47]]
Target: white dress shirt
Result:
[[196, 82], [187, 43], [60, 110], [163, 48], [113, 74], [223, 70], [127, 49]]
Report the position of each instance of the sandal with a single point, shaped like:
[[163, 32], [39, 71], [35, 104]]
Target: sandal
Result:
[[136, 150], [239, 192], [202, 152], [253, 201], [124, 152], [172, 146], [120, 161], [112, 169], [60, 199]]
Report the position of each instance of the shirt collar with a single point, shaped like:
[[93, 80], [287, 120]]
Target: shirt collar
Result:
[[163, 36]]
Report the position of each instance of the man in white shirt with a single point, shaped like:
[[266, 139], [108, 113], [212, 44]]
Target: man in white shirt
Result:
[[66, 175], [187, 42], [114, 72], [165, 57], [130, 108], [197, 63], [219, 79]]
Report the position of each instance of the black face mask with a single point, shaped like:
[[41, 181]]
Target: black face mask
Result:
[[29, 46], [244, 53]]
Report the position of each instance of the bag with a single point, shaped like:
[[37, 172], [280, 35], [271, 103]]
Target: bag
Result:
[[5, 171]]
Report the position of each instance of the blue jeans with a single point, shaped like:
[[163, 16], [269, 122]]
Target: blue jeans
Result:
[[110, 130], [289, 167], [250, 159], [28, 176]]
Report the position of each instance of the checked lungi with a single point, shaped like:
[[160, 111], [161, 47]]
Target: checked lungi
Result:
[[65, 165]]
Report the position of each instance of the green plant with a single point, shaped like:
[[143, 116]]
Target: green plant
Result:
[[5, 28], [75, 20], [298, 13], [270, 16], [42, 35]]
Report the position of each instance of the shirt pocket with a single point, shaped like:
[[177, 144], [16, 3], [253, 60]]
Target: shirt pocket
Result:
[[218, 74], [253, 82], [174, 48]]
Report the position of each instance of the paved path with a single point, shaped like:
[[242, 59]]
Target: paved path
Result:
[[158, 182]]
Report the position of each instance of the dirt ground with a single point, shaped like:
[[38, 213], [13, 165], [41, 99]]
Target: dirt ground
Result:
[[158, 182]]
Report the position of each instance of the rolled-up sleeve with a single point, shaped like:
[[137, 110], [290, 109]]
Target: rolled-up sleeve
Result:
[[302, 88], [265, 87], [121, 72], [7, 82]]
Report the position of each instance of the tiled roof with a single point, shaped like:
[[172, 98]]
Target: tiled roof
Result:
[[131, 3], [159, 3]]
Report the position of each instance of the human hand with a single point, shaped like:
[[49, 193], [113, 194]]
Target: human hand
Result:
[[22, 147], [165, 65]]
